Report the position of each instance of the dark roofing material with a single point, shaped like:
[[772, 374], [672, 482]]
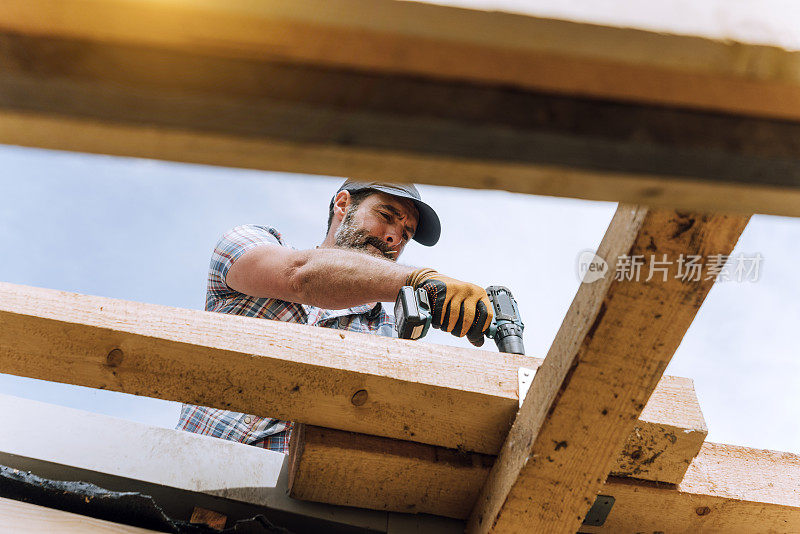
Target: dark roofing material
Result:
[[130, 508]]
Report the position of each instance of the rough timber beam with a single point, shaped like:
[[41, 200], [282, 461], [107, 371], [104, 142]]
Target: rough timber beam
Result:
[[409, 91], [415, 38], [387, 474], [615, 342], [729, 481], [457, 398], [726, 489], [723, 490]]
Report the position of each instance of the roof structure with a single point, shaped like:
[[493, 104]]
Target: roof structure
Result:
[[691, 134]]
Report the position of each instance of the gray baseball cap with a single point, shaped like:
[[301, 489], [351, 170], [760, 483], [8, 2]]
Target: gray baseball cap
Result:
[[428, 227]]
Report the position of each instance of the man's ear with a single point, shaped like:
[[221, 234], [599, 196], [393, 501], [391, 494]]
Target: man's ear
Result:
[[340, 205]]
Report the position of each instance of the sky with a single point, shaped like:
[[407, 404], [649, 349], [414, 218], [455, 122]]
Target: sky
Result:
[[768, 22], [144, 230]]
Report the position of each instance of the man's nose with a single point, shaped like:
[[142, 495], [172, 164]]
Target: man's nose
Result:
[[393, 235]]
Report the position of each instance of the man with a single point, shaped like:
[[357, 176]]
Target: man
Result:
[[340, 284]]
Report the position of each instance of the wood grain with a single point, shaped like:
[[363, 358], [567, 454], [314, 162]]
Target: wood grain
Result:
[[458, 398], [615, 342], [444, 42], [350, 469], [122, 97], [726, 489]]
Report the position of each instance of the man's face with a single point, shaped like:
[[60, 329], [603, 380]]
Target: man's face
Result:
[[380, 225]]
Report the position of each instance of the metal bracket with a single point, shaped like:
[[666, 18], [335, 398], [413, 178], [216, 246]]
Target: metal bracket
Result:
[[525, 376], [599, 511]]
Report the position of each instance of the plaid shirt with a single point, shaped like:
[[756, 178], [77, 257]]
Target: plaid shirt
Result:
[[264, 432]]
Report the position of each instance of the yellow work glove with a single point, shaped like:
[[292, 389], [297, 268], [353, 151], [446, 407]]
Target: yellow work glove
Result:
[[461, 308]]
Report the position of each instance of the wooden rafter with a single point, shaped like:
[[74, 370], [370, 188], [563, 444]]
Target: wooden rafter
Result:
[[238, 84], [724, 489], [457, 398], [615, 342], [386, 474], [443, 42], [447, 396]]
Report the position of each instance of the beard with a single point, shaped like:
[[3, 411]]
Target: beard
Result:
[[350, 236]]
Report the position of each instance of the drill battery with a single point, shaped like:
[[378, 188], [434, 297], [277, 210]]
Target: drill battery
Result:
[[412, 313]]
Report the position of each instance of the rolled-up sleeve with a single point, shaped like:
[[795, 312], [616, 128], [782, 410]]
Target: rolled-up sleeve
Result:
[[230, 247]]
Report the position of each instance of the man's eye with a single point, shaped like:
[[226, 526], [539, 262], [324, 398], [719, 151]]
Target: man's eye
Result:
[[385, 216]]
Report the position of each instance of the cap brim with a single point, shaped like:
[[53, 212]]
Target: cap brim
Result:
[[428, 228]]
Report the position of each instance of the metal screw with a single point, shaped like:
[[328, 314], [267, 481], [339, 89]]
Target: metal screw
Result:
[[703, 510]]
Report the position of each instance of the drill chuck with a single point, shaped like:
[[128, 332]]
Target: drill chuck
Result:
[[508, 338], [506, 328]]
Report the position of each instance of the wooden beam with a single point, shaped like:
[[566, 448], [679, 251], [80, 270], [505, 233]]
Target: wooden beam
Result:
[[88, 84], [729, 480], [668, 434], [458, 398], [350, 469], [722, 491], [726, 489], [18, 516], [718, 72], [615, 342]]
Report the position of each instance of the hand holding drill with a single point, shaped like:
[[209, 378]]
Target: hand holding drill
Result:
[[460, 308]]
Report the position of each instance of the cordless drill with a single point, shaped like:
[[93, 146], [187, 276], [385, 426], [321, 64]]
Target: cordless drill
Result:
[[412, 316]]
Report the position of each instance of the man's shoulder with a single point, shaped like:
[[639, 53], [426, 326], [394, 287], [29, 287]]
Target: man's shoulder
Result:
[[248, 233], [236, 242]]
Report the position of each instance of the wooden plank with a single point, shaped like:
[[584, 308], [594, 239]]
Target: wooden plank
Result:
[[349, 469], [759, 489], [400, 476], [458, 398], [723, 490], [18, 516], [720, 72], [610, 352], [726, 489], [668, 434], [67, 93]]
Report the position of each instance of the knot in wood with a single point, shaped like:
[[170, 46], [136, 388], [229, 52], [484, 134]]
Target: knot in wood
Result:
[[114, 358], [359, 397]]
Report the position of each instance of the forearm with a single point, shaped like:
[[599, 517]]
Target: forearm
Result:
[[336, 279]]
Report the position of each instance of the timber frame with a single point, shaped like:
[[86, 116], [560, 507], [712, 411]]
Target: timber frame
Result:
[[689, 134]]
